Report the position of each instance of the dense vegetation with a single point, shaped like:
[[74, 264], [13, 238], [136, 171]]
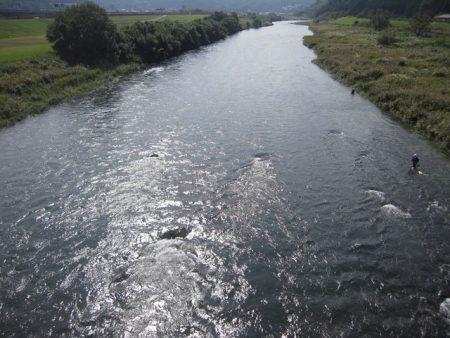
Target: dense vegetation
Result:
[[85, 34], [156, 41], [405, 74], [29, 87], [364, 8]]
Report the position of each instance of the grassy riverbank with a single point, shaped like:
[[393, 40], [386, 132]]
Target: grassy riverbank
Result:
[[409, 78], [31, 87]]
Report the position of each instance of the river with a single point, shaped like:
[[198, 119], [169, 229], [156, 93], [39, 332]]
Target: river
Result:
[[235, 191]]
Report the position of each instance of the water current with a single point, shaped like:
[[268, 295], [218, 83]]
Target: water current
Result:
[[235, 191]]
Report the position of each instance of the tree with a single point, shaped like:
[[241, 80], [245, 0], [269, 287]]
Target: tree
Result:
[[231, 23], [84, 34], [379, 21], [419, 24], [257, 23]]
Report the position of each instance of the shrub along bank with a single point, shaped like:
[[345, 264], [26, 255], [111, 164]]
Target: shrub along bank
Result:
[[405, 75], [156, 41], [93, 51]]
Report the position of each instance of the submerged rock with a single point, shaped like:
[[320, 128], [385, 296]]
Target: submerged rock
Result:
[[174, 233], [120, 277]]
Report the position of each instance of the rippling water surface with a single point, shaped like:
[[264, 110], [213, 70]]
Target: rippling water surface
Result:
[[236, 191]]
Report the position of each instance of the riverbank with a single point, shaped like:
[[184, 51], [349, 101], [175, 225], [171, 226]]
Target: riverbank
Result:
[[29, 88], [408, 78]]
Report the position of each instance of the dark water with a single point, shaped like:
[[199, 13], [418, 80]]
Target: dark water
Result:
[[278, 205]]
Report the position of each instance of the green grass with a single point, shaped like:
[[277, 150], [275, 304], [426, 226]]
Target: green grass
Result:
[[23, 39], [31, 87], [184, 18], [14, 28], [352, 20], [348, 21], [23, 53], [440, 25], [409, 79], [123, 20], [399, 23], [23, 48]]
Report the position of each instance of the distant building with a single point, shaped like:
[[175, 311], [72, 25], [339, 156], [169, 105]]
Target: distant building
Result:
[[62, 5], [442, 17]]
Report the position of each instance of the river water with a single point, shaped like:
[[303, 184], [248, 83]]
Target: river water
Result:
[[235, 191]]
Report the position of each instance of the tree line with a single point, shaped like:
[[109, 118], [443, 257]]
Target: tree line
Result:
[[85, 34]]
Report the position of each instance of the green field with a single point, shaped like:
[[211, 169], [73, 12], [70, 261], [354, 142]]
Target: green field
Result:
[[351, 20], [24, 39], [14, 28], [122, 20], [21, 40], [22, 49]]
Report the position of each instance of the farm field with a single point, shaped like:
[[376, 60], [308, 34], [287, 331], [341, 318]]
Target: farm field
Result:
[[23, 48], [23, 39], [122, 20]]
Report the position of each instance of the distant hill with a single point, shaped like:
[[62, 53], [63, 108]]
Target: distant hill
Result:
[[401, 8], [137, 5]]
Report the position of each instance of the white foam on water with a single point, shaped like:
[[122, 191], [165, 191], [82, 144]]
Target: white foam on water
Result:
[[444, 309], [394, 211], [154, 70], [377, 194], [437, 206]]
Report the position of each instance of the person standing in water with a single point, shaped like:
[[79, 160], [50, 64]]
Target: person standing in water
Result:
[[415, 161]]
